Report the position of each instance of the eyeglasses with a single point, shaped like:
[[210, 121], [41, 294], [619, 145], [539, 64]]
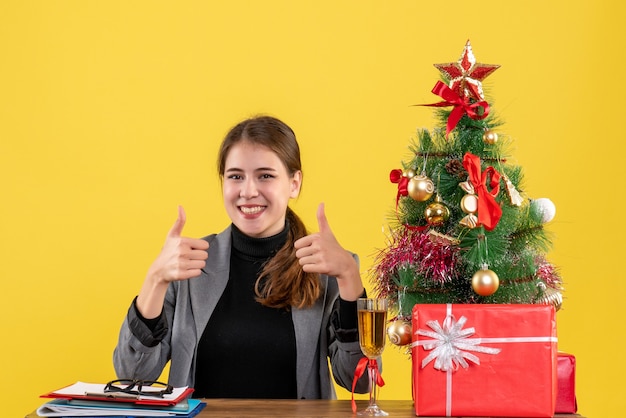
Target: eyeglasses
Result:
[[138, 387]]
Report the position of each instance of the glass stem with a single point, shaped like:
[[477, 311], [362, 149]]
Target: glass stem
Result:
[[373, 386]]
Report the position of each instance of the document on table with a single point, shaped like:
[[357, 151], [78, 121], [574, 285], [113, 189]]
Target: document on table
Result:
[[65, 408], [95, 391]]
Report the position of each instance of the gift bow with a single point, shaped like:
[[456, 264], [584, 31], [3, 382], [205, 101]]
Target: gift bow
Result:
[[461, 105], [489, 211], [361, 366], [450, 345]]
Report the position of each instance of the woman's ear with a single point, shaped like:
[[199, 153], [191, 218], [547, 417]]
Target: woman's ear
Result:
[[296, 184]]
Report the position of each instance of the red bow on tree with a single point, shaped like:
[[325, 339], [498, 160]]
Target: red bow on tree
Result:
[[489, 211], [396, 177], [462, 105]]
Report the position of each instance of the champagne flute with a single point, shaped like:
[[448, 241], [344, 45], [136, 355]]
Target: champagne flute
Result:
[[372, 334]]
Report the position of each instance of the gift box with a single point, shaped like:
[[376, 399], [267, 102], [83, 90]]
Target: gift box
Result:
[[566, 384], [484, 360]]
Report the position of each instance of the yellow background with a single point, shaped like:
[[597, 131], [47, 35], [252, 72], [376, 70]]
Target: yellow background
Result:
[[111, 113]]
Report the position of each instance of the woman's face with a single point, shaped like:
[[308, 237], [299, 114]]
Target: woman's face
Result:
[[257, 189]]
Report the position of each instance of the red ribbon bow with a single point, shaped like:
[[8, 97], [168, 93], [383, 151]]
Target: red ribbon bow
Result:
[[489, 211], [363, 364], [396, 177], [461, 105]]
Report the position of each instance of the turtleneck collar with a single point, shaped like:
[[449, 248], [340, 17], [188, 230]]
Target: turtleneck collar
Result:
[[258, 248]]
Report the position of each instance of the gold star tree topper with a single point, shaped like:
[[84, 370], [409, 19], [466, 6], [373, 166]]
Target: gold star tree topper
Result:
[[466, 74]]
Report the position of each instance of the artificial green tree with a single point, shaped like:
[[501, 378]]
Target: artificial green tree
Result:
[[464, 229]]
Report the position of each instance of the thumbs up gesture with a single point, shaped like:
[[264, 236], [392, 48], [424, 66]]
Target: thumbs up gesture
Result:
[[321, 253], [181, 258]]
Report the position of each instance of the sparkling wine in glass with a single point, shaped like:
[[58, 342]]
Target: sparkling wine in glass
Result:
[[372, 334]]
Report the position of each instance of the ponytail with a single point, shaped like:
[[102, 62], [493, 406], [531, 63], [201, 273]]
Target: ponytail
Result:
[[282, 282]]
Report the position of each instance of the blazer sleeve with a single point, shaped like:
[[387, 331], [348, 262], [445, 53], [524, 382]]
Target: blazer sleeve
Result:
[[142, 352], [344, 349]]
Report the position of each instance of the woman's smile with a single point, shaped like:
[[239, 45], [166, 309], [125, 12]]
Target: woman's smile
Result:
[[251, 210]]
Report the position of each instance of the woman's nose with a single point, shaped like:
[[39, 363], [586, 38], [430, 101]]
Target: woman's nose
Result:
[[249, 189]]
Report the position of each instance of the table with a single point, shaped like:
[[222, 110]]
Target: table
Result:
[[256, 408]]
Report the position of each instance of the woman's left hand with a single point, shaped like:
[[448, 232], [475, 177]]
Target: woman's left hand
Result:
[[321, 253]]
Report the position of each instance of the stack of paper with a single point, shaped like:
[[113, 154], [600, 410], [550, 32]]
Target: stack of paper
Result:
[[90, 400]]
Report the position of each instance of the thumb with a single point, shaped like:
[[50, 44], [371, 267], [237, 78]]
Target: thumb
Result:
[[322, 222], [177, 229]]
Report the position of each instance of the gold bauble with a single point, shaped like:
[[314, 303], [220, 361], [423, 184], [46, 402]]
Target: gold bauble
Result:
[[409, 173], [490, 137], [421, 188], [436, 213], [469, 203], [400, 332], [485, 282]]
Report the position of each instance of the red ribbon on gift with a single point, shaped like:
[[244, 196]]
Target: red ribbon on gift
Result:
[[462, 105], [489, 211], [362, 365]]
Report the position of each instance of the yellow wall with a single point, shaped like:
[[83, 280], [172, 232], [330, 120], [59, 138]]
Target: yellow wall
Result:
[[111, 113]]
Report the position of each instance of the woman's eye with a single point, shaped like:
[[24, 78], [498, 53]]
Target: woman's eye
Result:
[[234, 177], [267, 176]]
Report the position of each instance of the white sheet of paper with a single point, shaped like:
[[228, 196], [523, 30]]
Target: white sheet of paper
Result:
[[81, 388]]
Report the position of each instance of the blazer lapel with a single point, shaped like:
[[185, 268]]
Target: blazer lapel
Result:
[[205, 291], [307, 342]]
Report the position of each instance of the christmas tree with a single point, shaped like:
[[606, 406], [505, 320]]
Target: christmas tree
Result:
[[463, 229]]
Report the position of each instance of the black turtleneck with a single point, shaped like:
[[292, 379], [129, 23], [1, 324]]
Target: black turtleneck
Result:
[[247, 350]]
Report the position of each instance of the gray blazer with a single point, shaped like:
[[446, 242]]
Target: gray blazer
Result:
[[188, 307]]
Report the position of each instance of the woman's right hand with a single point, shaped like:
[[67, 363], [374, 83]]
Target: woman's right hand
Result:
[[181, 258]]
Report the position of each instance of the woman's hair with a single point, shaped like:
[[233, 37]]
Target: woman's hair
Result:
[[282, 282]]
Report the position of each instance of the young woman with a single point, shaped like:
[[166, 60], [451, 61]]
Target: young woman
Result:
[[257, 310]]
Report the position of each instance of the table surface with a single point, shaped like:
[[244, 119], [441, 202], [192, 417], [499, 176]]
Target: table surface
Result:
[[255, 408]]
